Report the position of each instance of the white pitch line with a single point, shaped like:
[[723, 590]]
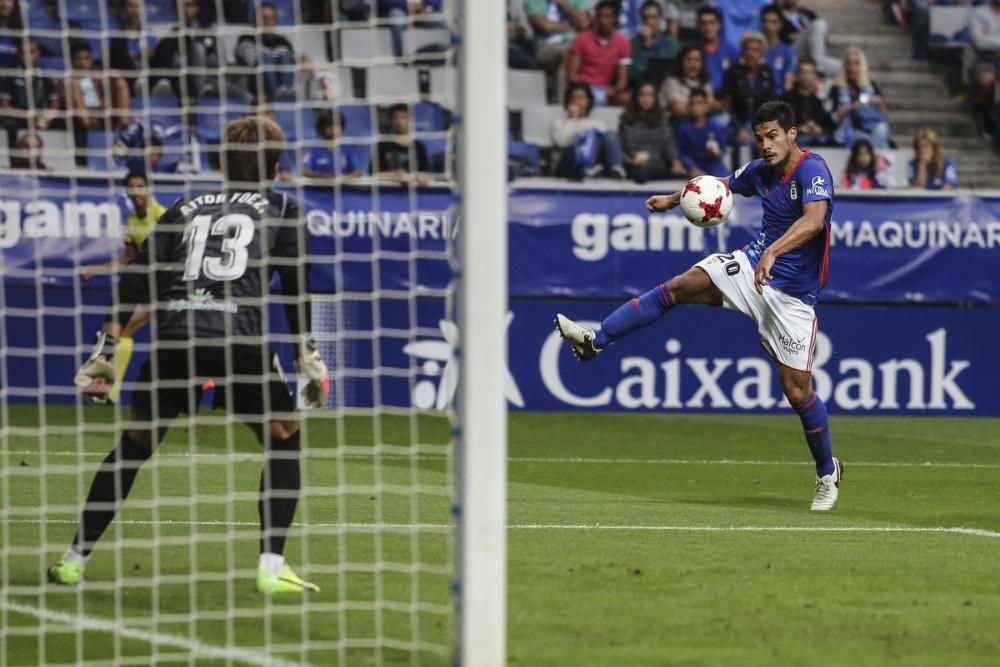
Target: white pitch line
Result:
[[976, 532], [331, 454], [192, 646]]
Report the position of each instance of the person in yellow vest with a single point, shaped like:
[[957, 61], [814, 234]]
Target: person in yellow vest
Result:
[[145, 212]]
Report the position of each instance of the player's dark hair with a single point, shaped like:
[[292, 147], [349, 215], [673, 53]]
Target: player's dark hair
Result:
[[613, 5], [396, 108], [579, 85], [702, 11], [775, 110], [254, 145], [135, 173]]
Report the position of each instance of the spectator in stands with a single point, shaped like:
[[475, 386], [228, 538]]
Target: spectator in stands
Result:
[[587, 147], [96, 101], [806, 31], [271, 55], [701, 139], [738, 17], [654, 52], [982, 61], [27, 153], [690, 75], [718, 53], [815, 124], [28, 99], [350, 10], [781, 57], [130, 52], [520, 52], [556, 24], [930, 169], [858, 107], [11, 32], [393, 156], [403, 13], [630, 19], [199, 54], [331, 161], [748, 84], [600, 57], [647, 138], [865, 169]]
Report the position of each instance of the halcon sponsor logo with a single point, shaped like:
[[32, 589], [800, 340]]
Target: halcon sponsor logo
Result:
[[748, 383], [595, 234], [47, 219]]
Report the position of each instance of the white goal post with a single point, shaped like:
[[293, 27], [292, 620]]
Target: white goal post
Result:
[[482, 440]]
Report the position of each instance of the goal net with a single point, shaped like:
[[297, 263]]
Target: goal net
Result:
[[117, 111]]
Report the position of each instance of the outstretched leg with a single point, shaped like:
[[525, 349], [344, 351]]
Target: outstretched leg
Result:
[[797, 385], [692, 287]]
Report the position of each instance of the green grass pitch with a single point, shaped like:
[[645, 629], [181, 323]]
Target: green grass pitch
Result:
[[633, 540]]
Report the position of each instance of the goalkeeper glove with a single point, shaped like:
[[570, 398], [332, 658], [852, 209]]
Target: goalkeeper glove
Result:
[[310, 366], [97, 375]]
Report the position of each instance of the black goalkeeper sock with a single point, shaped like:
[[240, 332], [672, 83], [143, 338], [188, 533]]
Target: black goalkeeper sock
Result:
[[280, 482], [108, 491]]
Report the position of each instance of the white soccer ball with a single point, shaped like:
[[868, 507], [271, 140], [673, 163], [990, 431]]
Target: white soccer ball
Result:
[[706, 201]]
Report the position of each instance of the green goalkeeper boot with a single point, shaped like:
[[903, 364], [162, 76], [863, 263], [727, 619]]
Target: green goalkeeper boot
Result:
[[66, 574], [286, 582]]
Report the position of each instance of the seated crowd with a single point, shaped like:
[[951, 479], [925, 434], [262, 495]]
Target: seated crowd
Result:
[[687, 75]]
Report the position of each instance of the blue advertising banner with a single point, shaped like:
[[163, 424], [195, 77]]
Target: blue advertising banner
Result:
[[573, 243], [917, 360], [883, 249]]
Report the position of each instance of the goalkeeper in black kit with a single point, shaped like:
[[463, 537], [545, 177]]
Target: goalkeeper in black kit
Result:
[[205, 271]]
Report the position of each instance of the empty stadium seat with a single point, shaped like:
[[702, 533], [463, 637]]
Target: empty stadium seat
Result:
[[525, 87], [297, 123], [163, 110], [363, 44], [536, 123], [99, 157], [48, 31], [308, 40], [428, 117], [610, 116], [358, 120], [212, 116], [161, 11], [390, 82], [57, 150]]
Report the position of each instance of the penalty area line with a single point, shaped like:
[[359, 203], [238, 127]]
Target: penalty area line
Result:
[[194, 647], [957, 530]]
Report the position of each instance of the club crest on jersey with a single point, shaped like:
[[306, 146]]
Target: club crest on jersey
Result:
[[794, 191]]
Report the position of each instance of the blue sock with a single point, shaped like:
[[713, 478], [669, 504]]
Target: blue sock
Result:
[[816, 424], [634, 314]]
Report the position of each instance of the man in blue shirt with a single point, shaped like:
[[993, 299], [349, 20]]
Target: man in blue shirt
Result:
[[329, 160], [718, 53], [701, 140], [775, 280]]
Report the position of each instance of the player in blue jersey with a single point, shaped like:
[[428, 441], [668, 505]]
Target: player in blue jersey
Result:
[[775, 280]]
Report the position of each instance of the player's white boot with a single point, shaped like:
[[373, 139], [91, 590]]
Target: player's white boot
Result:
[[828, 488], [581, 338], [97, 375]]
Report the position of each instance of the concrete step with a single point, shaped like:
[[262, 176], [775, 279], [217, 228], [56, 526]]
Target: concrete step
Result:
[[931, 89], [901, 102], [952, 145], [865, 41], [983, 181]]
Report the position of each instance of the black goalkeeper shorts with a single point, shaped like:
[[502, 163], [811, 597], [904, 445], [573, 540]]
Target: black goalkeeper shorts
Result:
[[248, 379]]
